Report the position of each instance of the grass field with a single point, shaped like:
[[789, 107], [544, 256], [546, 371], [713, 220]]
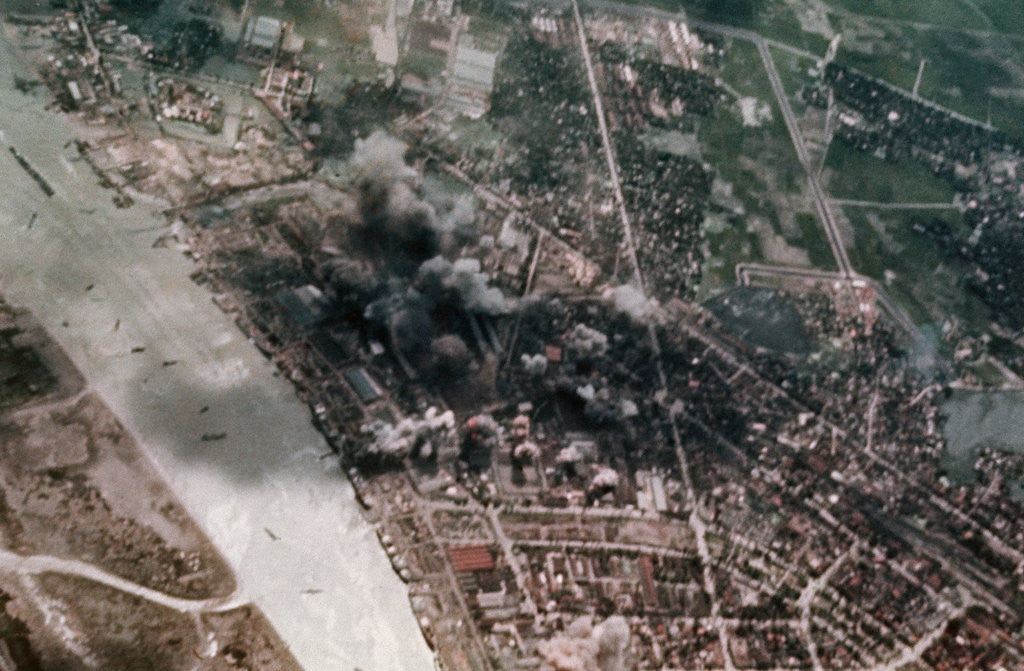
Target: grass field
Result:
[[973, 47], [793, 70], [767, 179], [941, 12], [1007, 15], [857, 175], [778, 21], [924, 280]]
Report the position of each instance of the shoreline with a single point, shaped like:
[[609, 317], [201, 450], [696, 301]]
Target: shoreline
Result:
[[268, 472]]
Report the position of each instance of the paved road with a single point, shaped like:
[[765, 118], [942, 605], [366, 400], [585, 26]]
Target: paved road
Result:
[[629, 241], [268, 472], [37, 564], [821, 202], [745, 270]]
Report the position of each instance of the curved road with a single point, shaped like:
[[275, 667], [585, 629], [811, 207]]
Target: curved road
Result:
[[11, 562]]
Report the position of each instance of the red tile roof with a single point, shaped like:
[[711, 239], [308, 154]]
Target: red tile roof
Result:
[[471, 558]]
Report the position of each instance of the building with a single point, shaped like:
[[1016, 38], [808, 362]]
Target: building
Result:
[[471, 558], [302, 305], [363, 385], [261, 39], [286, 91], [472, 78]]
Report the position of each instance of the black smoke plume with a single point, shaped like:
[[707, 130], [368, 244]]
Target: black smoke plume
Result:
[[389, 266]]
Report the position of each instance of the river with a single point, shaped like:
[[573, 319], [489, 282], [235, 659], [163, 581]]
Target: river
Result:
[[281, 513]]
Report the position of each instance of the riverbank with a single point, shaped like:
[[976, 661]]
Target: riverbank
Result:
[[174, 369]]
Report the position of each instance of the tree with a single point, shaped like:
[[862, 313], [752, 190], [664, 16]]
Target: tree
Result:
[[138, 8]]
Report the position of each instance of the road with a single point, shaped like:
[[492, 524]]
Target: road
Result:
[[744, 271], [628, 239], [267, 472], [37, 564], [697, 523], [821, 202]]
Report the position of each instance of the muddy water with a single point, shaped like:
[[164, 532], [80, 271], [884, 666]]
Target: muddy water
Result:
[[266, 479]]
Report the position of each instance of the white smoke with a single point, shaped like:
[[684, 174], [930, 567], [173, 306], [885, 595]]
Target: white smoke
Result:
[[459, 215], [587, 341], [381, 157], [569, 455], [465, 278], [605, 478], [397, 441], [472, 285], [584, 647], [612, 643], [526, 450], [487, 431], [631, 301], [536, 364]]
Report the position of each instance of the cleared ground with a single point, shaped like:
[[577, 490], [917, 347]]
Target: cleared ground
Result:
[[765, 214]]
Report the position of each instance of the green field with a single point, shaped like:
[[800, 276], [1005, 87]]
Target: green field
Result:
[[940, 12], [476, 137], [767, 181], [856, 175], [778, 21], [999, 16], [426, 66], [973, 47], [927, 282], [1007, 15], [974, 66], [793, 70]]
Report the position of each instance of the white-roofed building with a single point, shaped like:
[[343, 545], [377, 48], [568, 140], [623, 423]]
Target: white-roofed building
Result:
[[262, 39], [472, 78]]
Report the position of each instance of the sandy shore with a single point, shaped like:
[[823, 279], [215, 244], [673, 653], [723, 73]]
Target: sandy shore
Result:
[[267, 478]]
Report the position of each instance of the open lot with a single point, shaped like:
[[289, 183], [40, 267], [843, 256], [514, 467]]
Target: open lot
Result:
[[940, 12], [767, 216], [911, 267], [855, 175]]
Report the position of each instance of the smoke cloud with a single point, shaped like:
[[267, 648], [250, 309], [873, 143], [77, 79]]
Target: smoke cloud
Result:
[[451, 357], [631, 301], [587, 342], [535, 365], [381, 158], [612, 643], [391, 221], [390, 246], [583, 647], [605, 478], [412, 436], [464, 282]]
